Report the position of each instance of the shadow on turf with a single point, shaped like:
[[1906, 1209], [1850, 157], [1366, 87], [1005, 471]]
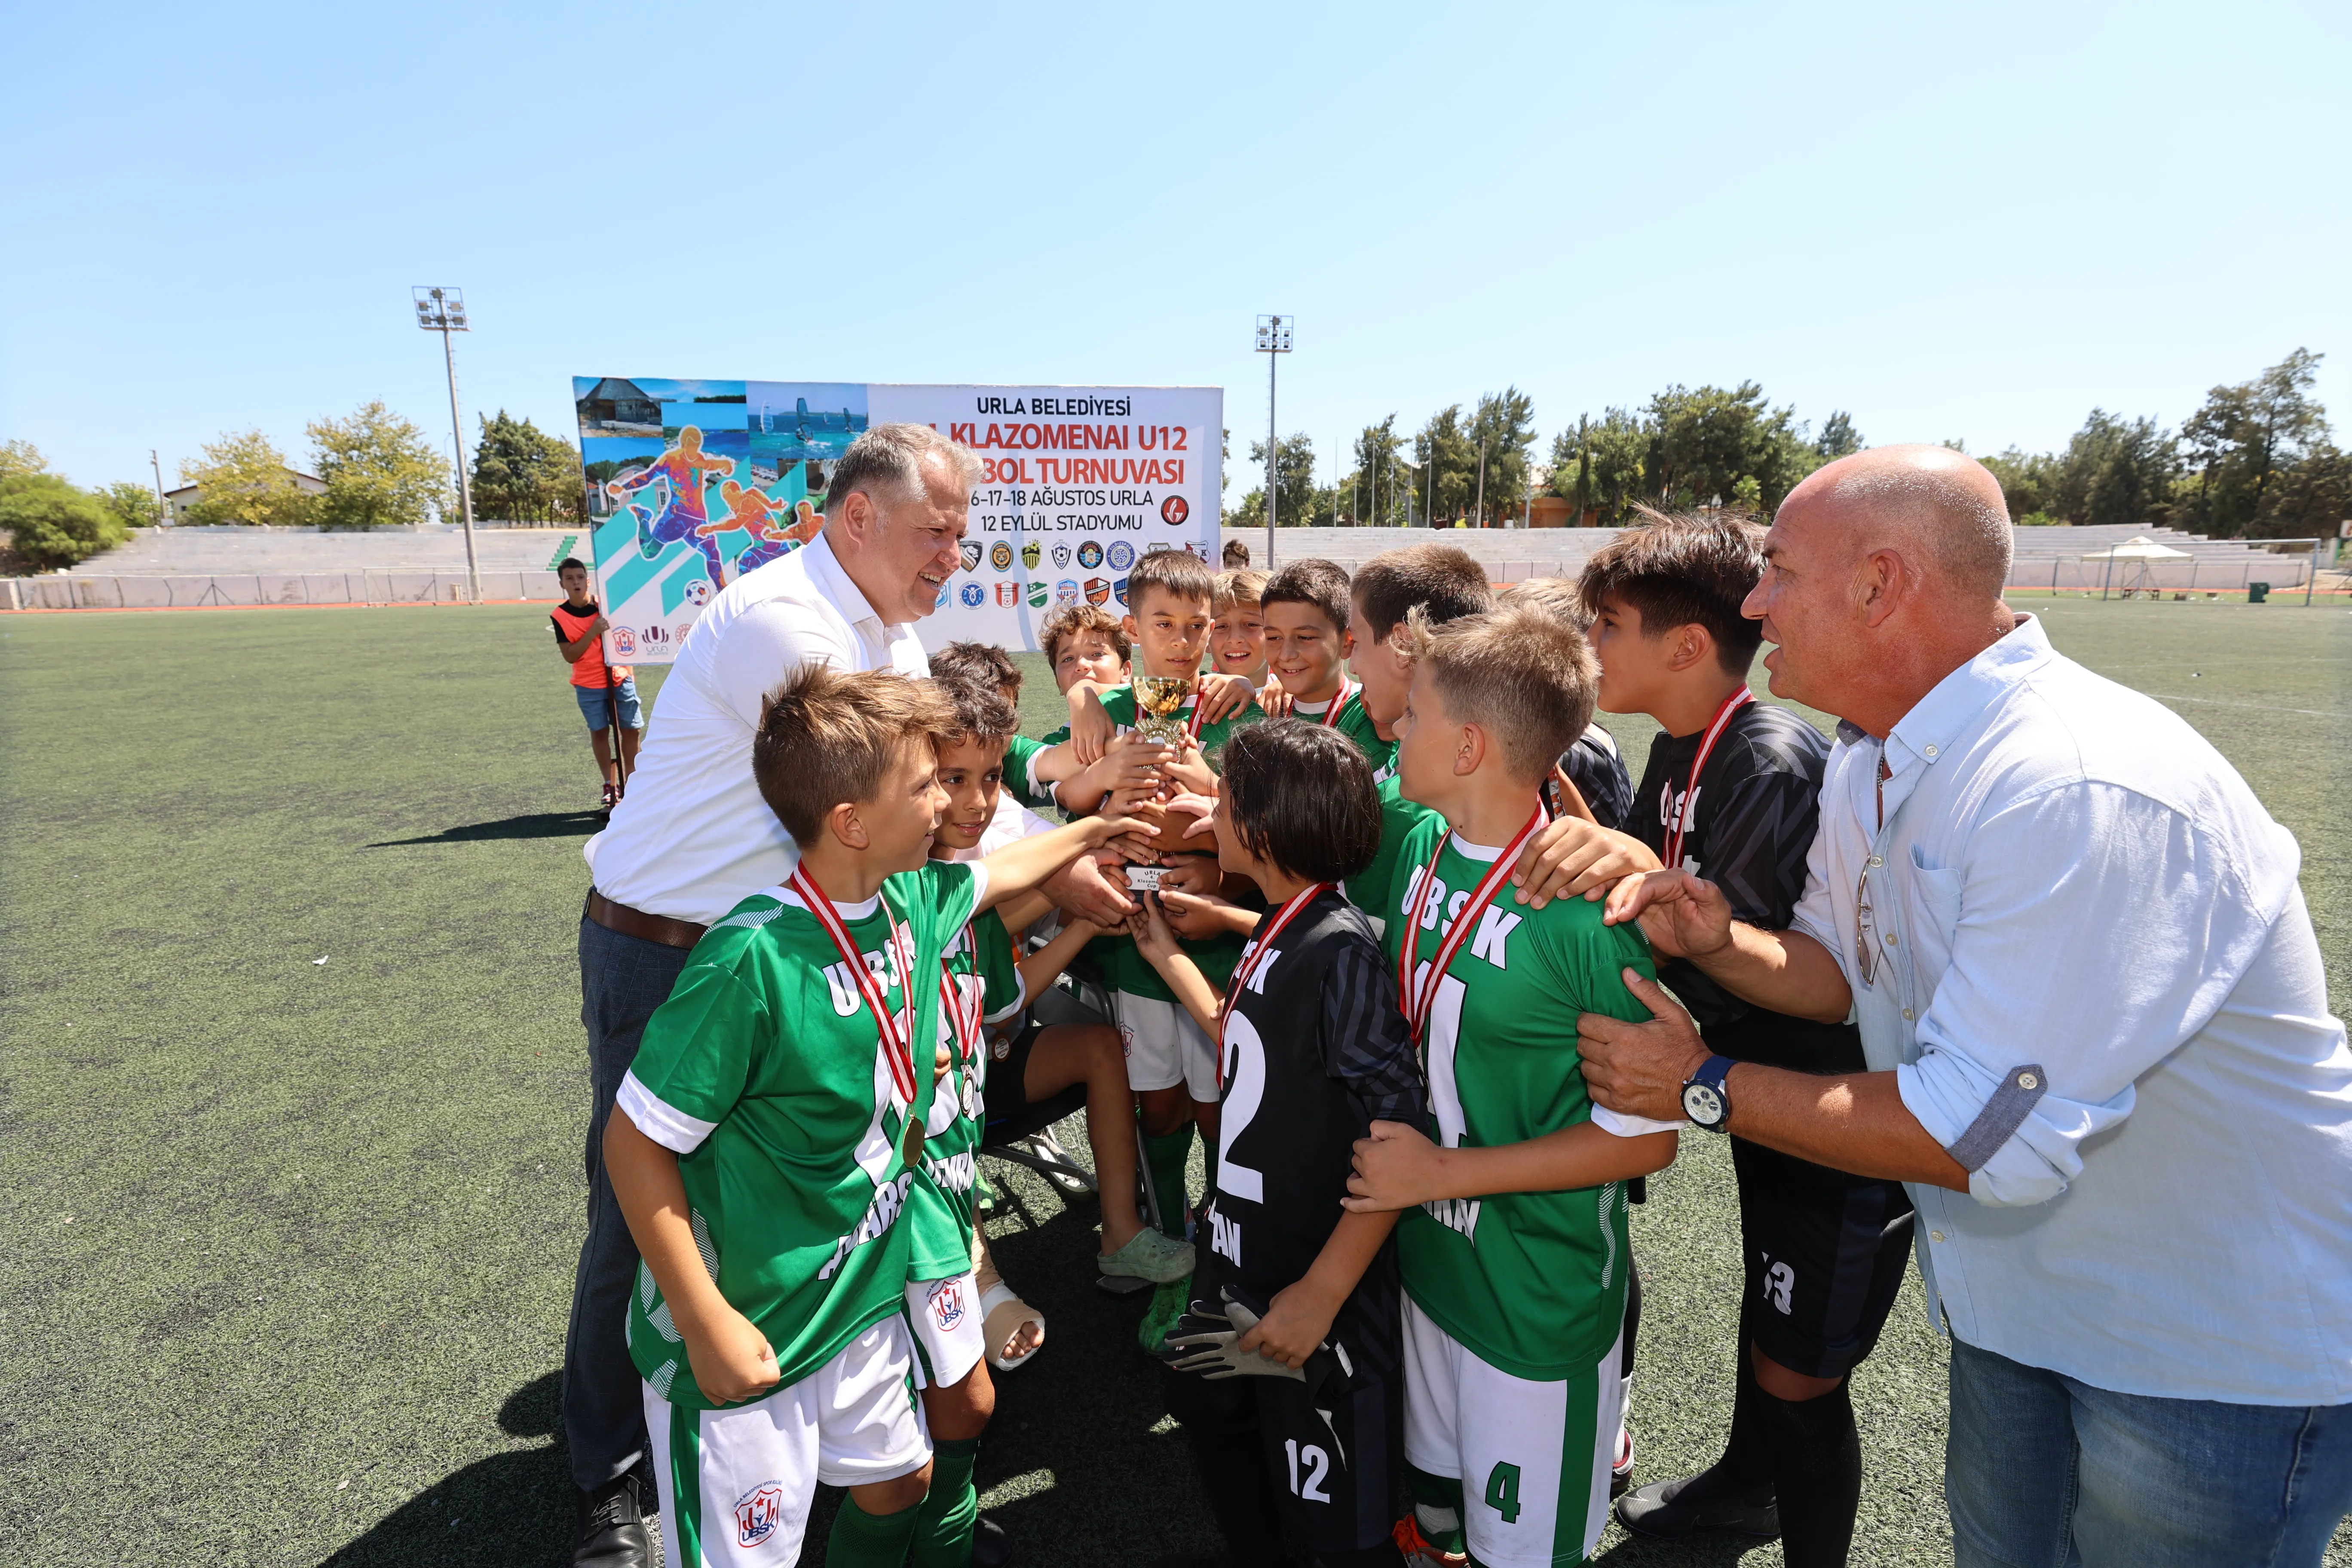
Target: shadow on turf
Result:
[[509, 1509], [538, 825]]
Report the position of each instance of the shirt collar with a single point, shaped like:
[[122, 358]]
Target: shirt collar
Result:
[[1927, 732], [833, 581]]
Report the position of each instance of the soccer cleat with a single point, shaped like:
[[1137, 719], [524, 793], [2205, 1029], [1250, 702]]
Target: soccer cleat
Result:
[[1663, 1509], [612, 1528], [990, 1547]]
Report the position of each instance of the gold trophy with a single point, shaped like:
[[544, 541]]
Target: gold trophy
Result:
[[1158, 699]]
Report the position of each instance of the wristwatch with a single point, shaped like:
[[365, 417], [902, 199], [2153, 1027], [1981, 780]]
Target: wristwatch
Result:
[[1705, 1099]]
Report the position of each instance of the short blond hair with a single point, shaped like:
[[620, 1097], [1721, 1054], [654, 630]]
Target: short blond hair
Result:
[[1518, 672], [1068, 620], [1241, 585], [826, 737], [1559, 596]]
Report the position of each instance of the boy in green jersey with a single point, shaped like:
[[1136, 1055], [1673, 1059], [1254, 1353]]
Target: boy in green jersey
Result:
[[1170, 1061], [1513, 1248], [1306, 606], [760, 1148]]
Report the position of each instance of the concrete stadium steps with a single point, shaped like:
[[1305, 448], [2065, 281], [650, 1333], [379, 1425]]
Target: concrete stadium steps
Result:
[[294, 551], [2042, 554]]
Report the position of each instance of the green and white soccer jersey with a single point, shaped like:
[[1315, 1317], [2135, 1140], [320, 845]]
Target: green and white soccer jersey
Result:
[[766, 1074], [939, 1208], [1123, 968], [1019, 752], [1534, 1283], [1356, 724], [1369, 889]]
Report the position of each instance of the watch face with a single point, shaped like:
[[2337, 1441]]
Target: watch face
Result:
[[1702, 1104]]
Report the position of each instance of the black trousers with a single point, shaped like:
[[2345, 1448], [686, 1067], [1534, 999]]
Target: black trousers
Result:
[[622, 980]]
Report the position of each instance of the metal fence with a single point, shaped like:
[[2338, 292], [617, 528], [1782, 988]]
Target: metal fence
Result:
[[76, 591], [2227, 574]]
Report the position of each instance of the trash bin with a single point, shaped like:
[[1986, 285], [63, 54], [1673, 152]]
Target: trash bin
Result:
[[2257, 591]]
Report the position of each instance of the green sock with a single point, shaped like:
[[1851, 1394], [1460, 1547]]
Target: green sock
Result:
[[861, 1539], [943, 1524], [1167, 1156], [1436, 1508]]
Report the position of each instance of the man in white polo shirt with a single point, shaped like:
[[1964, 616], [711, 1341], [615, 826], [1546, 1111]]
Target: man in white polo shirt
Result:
[[2103, 1062], [693, 838]]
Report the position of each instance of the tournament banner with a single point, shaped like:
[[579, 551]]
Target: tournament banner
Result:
[[693, 483]]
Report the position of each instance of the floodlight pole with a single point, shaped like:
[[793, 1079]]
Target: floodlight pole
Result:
[[1272, 340], [441, 309], [163, 508]]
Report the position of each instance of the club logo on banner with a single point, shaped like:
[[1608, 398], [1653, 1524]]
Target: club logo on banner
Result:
[[973, 596], [1119, 590], [1097, 591], [691, 484]]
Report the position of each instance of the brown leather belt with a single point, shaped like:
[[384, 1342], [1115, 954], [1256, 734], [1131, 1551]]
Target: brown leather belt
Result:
[[638, 923]]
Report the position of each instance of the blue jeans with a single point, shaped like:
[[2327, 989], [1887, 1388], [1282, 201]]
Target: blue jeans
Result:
[[622, 980], [2043, 1471]]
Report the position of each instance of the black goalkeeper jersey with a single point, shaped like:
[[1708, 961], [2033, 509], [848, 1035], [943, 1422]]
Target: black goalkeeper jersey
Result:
[[1753, 826]]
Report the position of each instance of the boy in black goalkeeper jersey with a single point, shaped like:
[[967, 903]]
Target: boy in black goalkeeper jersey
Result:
[[1731, 791], [1289, 1365]]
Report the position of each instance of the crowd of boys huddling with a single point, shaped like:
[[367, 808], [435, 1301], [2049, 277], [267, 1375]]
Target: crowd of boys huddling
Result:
[[1399, 1319]]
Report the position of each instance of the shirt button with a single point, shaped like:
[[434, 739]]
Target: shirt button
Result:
[[1875, 862], [1931, 753], [1907, 1018], [1935, 1235], [2027, 1080], [1890, 939]]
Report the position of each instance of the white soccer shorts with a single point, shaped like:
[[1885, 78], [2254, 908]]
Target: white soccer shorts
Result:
[[1165, 1048], [945, 1316], [1532, 1457], [735, 1483]]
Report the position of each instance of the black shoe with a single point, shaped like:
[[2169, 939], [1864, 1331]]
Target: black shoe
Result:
[[1663, 1509], [612, 1528], [990, 1547]]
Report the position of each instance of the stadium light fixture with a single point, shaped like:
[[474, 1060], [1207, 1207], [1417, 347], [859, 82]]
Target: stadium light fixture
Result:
[[443, 310], [1272, 340]]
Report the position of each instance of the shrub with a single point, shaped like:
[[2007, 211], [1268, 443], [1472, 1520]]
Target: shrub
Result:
[[55, 524]]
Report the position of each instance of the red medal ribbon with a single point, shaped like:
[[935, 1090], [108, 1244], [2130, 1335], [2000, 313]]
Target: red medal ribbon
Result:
[[1682, 819], [1330, 719], [1192, 724], [1416, 1004], [897, 1048], [1253, 957], [964, 1022]]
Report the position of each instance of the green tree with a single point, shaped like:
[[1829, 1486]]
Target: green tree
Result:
[[243, 480], [134, 503], [1301, 502], [21, 458], [2244, 438], [1838, 438], [2310, 497], [2114, 470], [381, 471], [1502, 428], [1448, 470], [1598, 466], [521, 474], [1376, 489], [1704, 441], [2029, 482], [54, 524]]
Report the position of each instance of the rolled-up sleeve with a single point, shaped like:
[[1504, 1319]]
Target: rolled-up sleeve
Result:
[[2090, 931]]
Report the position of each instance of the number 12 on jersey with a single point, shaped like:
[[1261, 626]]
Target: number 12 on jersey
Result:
[[1319, 1468]]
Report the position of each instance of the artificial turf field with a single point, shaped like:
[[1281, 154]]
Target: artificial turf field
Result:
[[289, 1244]]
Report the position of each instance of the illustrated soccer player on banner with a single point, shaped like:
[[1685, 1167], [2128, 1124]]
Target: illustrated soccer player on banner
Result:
[[684, 511], [754, 511]]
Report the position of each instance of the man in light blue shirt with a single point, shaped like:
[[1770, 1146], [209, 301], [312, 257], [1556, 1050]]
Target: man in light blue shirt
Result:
[[2092, 999]]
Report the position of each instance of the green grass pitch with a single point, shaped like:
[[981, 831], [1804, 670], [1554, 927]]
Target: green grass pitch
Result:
[[289, 1244]]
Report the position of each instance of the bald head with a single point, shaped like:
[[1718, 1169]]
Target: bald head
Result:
[[1944, 504]]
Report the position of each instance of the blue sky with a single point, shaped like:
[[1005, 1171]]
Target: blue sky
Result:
[[1973, 222]]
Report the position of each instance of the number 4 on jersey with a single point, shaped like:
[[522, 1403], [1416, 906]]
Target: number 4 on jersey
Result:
[[1502, 1491]]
